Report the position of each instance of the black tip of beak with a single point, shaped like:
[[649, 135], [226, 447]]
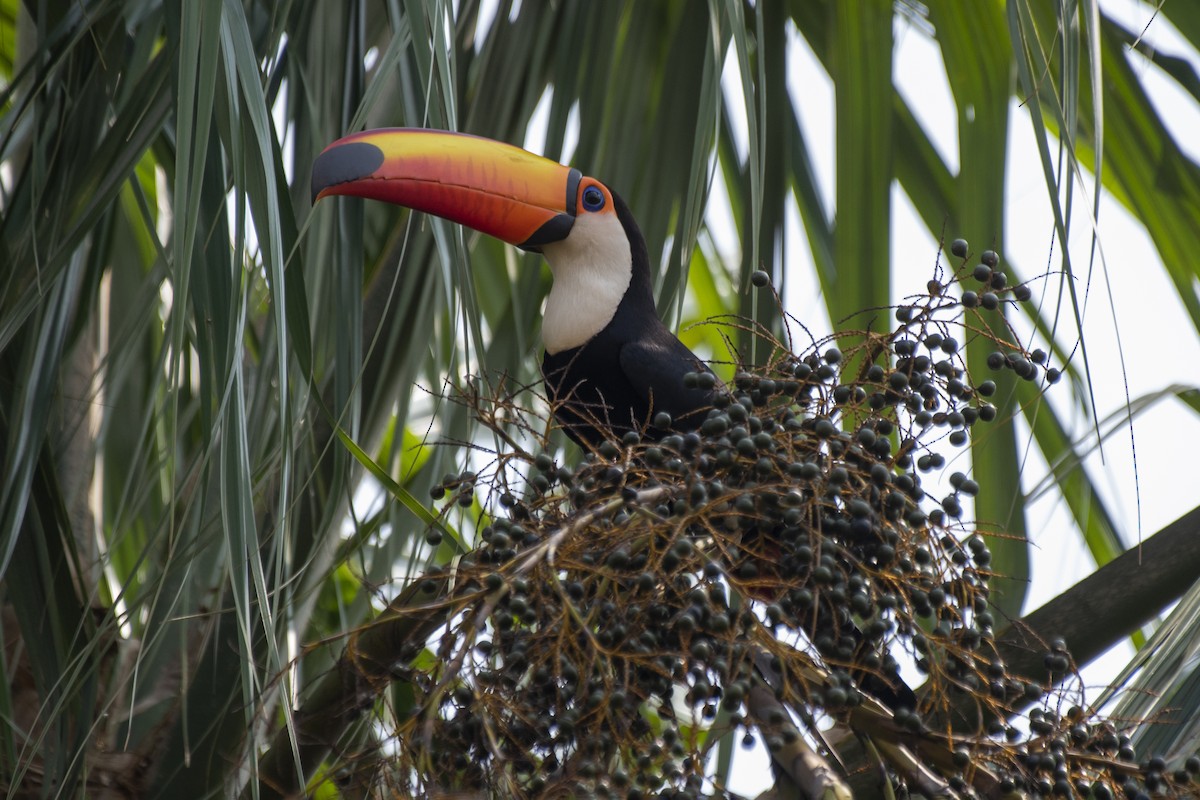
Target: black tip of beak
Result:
[[344, 163], [555, 230]]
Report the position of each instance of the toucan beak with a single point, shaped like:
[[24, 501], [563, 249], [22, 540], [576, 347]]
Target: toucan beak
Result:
[[501, 190]]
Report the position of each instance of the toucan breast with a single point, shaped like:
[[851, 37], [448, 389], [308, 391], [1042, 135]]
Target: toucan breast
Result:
[[592, 268]]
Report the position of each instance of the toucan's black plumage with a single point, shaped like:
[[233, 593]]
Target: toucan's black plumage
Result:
[[630, 371]]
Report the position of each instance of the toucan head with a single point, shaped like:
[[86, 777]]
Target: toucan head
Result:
[[506, 192]]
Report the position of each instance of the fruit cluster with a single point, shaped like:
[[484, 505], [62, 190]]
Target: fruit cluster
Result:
[[761, 574]]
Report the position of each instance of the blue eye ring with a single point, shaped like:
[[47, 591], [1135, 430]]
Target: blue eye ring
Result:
[[593, 198]]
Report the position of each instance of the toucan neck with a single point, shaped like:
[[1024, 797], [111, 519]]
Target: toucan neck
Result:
[[641, 290]]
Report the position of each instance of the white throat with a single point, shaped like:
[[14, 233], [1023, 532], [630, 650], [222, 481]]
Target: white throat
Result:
[[592, 269]]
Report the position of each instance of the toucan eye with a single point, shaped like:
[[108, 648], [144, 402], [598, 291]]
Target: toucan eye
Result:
[[593, 198]]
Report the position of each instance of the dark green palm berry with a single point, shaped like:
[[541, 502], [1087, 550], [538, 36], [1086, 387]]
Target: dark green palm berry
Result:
[[952, 506]]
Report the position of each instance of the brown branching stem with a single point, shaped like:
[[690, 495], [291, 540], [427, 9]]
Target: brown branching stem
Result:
[[375, 654], [813, 774]]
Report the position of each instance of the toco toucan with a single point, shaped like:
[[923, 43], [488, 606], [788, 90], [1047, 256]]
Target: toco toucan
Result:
[[611, 366]]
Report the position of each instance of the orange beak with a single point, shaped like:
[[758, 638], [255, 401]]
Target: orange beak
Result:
[[495, 188]]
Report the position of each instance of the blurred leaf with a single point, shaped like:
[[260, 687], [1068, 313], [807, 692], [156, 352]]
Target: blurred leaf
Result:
[[399, 492]]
